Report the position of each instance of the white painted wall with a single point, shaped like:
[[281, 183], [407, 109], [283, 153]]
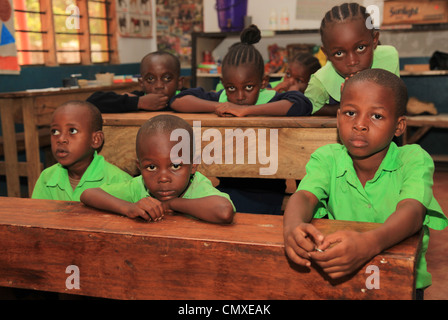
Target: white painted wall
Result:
[[414, 44]]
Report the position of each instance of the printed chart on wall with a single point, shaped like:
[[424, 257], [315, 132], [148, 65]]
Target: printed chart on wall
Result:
[[176, 20], [134, 18], [8, 50]]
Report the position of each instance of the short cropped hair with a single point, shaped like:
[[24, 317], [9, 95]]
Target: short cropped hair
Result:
[[161, 53], [95, 119], [385, 79], [164, 123]]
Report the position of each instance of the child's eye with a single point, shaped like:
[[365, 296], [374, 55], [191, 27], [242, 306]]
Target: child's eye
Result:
[[338, 54], [176, 166], [149, 79], [73, 131], [231, 89], [249, 87], [55, 132], [350, 113], [151, 167], [377, 117], [361, 48], [167, 78]]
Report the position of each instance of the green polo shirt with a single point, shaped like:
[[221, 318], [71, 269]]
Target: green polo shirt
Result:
[[326, 82], [54, 184], [264, 96], [135, 189], [405, 173]]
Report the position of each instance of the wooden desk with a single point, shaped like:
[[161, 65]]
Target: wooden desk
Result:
[[178, 257], [34, 110], [424, 123], [298, 137]]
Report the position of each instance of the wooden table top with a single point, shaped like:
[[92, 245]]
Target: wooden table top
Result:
[[256, 229], [213, 120]]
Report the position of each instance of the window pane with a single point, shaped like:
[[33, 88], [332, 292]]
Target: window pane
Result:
[[66, 42], [96, 9], [28, 40], [99, 43], [68, 57]]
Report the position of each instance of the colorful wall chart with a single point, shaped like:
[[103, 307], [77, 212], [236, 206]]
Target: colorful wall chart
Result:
[[8, 50]]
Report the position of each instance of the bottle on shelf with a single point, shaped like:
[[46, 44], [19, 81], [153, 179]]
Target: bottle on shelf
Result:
[[284, 19], [273, 20]]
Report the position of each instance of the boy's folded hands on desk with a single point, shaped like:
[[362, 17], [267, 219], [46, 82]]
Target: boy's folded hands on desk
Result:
[[338, 254]]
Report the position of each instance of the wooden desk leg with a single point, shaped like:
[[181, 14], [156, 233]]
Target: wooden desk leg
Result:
[[31, 133], [10, 148]]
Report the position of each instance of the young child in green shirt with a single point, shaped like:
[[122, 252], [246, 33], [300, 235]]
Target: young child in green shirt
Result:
[[76, 135], [367, 178], [168, 182], [350, 47]]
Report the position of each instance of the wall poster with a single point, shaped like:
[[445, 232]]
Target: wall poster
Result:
[[134, 18], [176, 20]]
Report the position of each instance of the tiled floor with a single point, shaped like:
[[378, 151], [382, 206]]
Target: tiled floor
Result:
[[437, 255]]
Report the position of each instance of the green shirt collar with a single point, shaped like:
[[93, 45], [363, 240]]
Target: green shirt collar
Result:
[[391, 162], [91, 174]]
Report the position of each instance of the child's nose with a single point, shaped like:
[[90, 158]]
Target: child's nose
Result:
[[353, 59], [360, 125], [241, 95], [62, 138], [163, 176]]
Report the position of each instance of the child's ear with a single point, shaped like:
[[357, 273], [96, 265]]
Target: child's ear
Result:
[[376, 37], [97, 139], [194, 168], [325, 52], [141, 83], [401, 126], [180, 84], [265, 81]]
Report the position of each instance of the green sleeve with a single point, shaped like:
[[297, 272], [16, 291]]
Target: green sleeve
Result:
[[317, 94]]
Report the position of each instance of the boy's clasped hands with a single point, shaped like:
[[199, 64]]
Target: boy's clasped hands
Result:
[[338, 254], [149, 209]]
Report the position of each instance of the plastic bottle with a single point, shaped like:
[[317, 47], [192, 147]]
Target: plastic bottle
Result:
[[284, 19], [273, 20]]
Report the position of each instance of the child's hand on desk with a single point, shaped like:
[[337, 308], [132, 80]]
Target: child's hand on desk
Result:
[[227, 108], [301, 242], [343, 253], [147, 208], [152, 102]]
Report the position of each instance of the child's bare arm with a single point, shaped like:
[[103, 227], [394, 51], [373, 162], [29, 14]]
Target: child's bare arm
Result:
[[277, 108], [215, 209], [97, 198], [300, 236], [193, 104], [352, 249]]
